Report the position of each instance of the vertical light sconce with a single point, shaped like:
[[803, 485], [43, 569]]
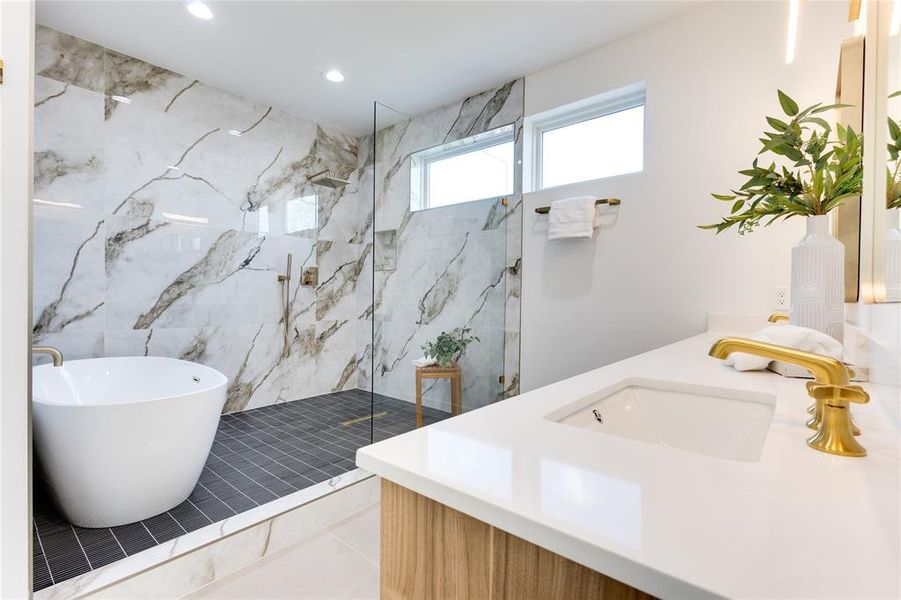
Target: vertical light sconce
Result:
[[794, 8]]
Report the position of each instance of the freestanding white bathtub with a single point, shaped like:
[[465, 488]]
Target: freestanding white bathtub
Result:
[[123, 439]]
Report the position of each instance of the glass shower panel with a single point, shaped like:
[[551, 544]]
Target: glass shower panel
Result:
[[447, 222]]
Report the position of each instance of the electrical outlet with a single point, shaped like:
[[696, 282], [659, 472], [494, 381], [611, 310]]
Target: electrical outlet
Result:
[[781, 297]]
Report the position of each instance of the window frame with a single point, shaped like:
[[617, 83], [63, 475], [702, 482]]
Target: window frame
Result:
[[603, 105], [421, 161]]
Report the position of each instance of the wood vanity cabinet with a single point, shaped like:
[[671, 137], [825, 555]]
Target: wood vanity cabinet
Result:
[[432, 552]]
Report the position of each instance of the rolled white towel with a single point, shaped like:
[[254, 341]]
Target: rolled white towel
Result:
[[572, 218], [792, 336], [425, 362]]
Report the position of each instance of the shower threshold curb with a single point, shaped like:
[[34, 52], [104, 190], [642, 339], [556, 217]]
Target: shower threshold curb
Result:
[[258, 525]]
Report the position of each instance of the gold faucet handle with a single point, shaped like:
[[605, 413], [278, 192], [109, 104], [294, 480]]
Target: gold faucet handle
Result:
[[776, 317], [845, 393]]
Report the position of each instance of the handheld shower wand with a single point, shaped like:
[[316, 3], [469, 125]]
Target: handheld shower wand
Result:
[[285, 281]]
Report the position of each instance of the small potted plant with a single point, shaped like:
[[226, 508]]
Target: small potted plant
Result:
[[446, 348], [815, 174]]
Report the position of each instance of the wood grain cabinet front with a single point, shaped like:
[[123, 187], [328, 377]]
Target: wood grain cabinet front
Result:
[[433, 552]]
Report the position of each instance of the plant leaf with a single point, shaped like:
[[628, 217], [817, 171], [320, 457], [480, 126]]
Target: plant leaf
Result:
[[788, 105], [777, 124], [820, 109]]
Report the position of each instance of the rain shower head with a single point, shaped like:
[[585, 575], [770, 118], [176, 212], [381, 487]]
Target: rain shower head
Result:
[[326, 179]]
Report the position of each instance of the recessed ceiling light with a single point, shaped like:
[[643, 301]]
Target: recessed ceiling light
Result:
[[121, 99], [200, 10], [334, 75], [235, 132]]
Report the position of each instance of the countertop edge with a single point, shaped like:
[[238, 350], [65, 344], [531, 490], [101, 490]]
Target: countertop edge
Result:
[[616, 566]]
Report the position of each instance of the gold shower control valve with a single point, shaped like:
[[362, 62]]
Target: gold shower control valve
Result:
[[310, 276]]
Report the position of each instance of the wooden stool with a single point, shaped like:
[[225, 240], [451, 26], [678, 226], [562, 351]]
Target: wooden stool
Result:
[[452, 373]]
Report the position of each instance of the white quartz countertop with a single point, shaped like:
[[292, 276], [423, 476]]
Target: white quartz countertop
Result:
[[796, 524]]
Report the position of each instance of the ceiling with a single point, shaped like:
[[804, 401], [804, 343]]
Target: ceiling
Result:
[[412, 56]]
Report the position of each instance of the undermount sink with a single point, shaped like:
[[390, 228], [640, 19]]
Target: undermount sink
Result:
[[721, 422]]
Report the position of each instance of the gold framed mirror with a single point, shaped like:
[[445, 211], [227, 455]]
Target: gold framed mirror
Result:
[[846, 224], [881, 208]]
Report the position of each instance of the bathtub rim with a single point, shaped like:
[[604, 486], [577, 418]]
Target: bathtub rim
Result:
[[220, 380]]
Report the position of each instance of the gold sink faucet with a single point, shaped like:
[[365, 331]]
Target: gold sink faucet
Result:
[[832, 389]]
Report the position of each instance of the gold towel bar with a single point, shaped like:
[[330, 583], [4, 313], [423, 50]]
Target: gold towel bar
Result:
[[543, 210]]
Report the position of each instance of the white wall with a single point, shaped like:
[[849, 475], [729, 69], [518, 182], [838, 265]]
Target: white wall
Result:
[[651, 277], [16, 101]]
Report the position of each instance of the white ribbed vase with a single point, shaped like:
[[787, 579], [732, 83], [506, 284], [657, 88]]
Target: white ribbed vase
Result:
[[893, 255], [818, 280]]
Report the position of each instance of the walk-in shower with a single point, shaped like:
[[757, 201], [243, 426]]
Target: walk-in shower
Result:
[[447, 235], [304, 263], [161, 234]]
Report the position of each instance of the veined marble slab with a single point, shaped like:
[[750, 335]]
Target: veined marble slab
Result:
[[447, 268], [163, 221]]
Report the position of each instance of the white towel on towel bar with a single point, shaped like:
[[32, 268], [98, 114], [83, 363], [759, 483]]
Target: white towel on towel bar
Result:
[[572, 218]]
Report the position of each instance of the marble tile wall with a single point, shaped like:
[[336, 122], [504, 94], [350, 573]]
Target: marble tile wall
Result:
[[447, 268], [160, 226]]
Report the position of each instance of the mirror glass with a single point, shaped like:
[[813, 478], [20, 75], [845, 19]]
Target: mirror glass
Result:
[[887, 214]]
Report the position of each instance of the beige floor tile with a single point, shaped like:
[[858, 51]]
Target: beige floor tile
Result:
[[361, 532], [321, 568]]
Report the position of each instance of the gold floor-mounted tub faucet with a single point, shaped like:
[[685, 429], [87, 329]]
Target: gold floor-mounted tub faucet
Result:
[[831, 389]]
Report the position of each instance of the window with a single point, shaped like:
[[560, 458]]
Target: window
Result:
[[474, 168], [597, 138]]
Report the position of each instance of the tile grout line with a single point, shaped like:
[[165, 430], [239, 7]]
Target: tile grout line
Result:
[[37, 533], [313, 436], [229, 483], [180, 526], [276, 462], [269, 445], [293, 446], [224, 503], [115, 537], [78, 539], [200, 510], [153, 537]]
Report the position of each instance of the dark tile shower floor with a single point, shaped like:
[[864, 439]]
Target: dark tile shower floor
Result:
[[258, 455]]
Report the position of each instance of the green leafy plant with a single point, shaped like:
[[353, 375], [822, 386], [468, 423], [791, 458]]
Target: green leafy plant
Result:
[[814, 176], [446, 347], [893, 184]]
